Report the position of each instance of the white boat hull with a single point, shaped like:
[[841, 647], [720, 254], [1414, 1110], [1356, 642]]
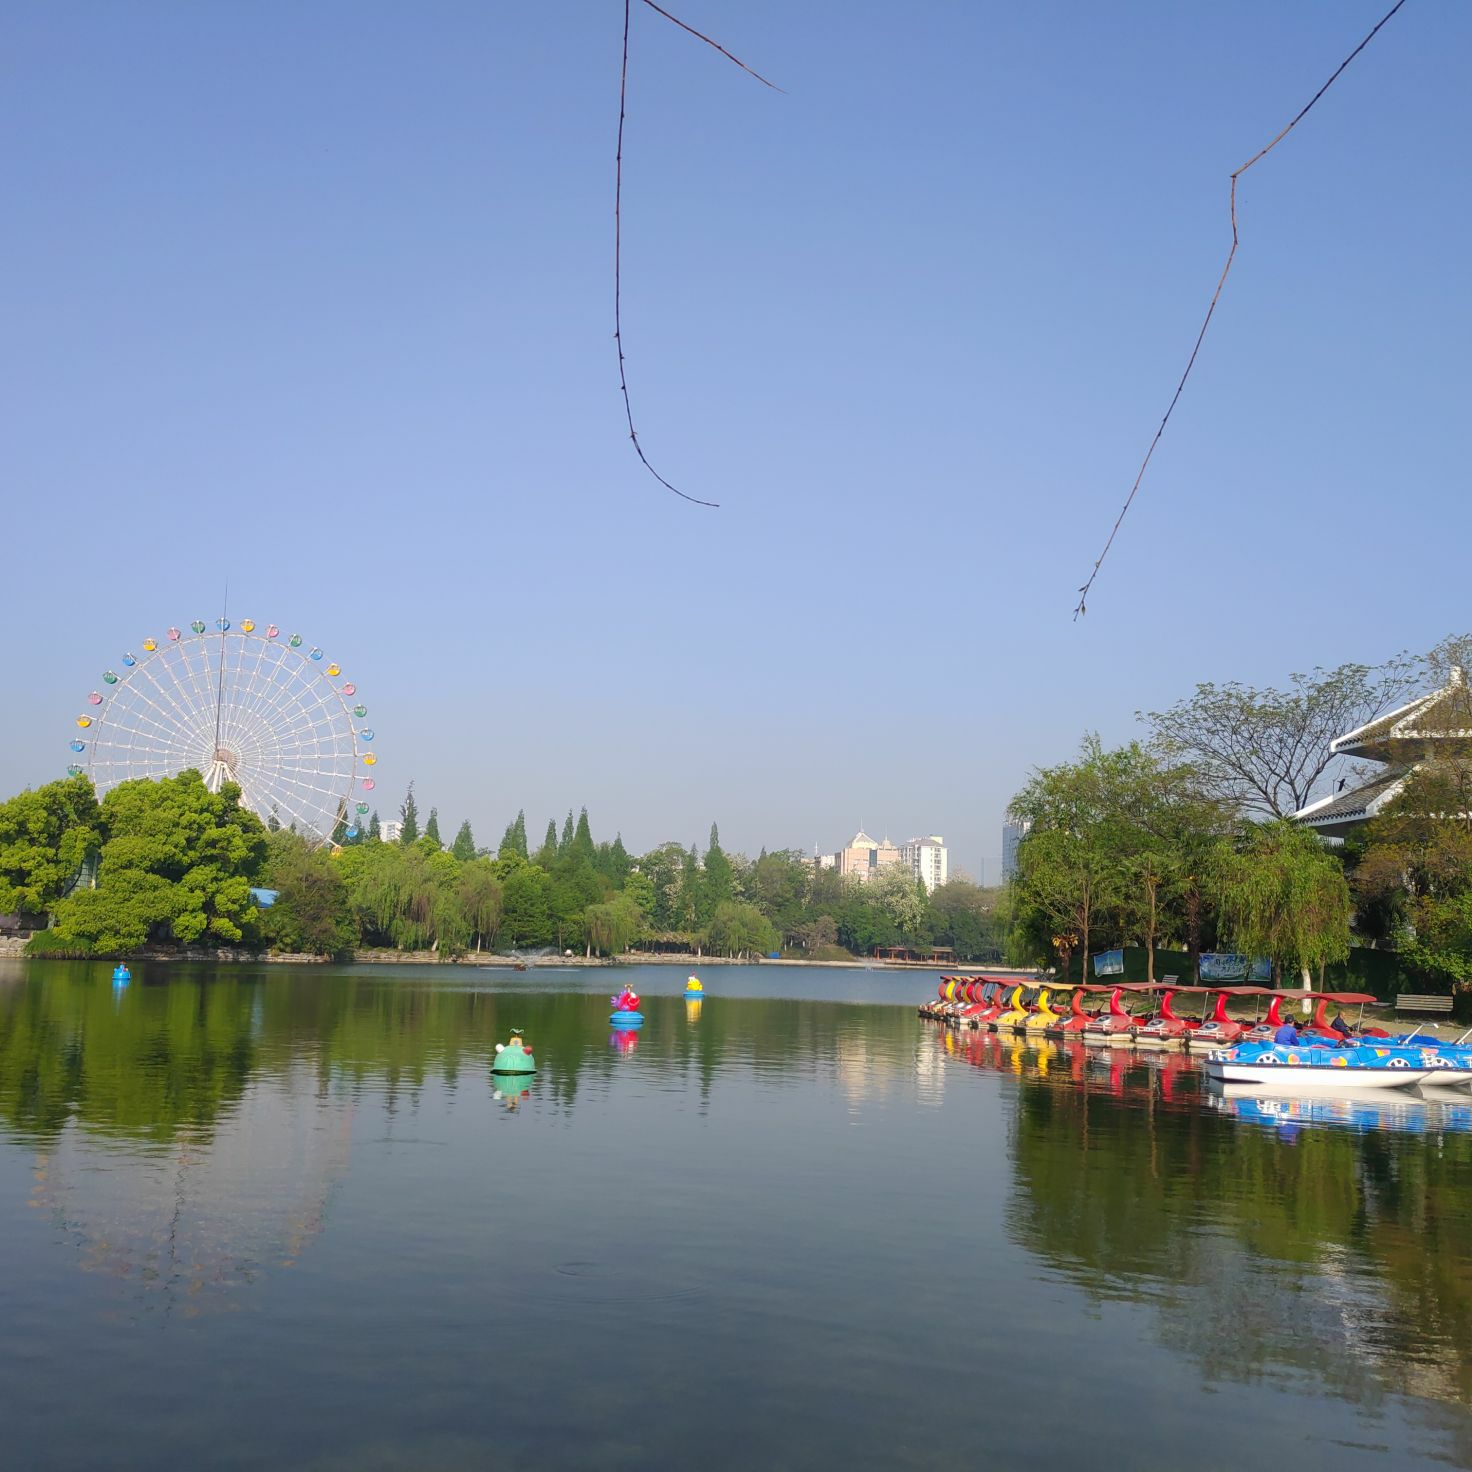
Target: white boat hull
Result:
[[1293, 1079]]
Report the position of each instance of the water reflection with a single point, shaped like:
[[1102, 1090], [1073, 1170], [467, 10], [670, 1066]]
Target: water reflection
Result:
[[1330, 1246], [793, 1193]]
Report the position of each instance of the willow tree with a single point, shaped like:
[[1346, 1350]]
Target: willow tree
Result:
[[1284, 895]]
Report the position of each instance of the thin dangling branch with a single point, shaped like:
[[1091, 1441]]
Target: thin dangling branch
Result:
[[618, 196], [1215, 298]]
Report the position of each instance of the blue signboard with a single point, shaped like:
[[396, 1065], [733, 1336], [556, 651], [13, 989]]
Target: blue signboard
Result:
[[1109, 963]]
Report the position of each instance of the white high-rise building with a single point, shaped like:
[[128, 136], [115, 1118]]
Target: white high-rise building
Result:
[[391, 830], [928, 860]]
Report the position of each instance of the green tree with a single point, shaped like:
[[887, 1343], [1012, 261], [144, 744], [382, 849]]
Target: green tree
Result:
[[312, 911], [432, 828], [178, 863], [463, 847], [375, 828], [738, 929], [46, 836], [546, 856], [716, 879], [527, 902], [513, 841], [1416, 867], [408, 818], [1284, 895], [964, 916], [481, 901], [611, 925], [1068, 865], [564, 845], [582, 839]]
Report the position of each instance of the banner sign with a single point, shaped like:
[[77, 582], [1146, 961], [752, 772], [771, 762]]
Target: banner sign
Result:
[[1109, 963], [1225, 966]]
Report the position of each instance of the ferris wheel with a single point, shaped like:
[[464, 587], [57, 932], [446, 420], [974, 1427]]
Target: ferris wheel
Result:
[[239, 703]]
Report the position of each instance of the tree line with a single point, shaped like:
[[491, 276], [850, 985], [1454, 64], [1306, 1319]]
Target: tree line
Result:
[[168, 862], [1185, 841]]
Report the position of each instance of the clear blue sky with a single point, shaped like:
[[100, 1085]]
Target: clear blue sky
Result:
[[319, 298]]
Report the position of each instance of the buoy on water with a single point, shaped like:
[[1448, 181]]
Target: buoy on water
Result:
[[514, 1057]]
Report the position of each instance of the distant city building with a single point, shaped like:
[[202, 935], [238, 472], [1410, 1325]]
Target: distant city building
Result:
[[928, 860], [390, 831], [1012, 835], [863, 858]]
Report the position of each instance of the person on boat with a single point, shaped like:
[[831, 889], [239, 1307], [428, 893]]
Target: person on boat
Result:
[[1287, 1034], [1340, 1025]]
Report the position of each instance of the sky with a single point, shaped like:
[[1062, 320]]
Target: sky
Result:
[[318, 300]]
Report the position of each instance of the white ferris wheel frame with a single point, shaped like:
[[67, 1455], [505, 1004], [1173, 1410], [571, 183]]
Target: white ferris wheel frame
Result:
[[240, 703]]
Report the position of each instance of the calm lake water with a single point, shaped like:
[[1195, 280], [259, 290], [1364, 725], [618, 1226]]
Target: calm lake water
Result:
[[284, 1217]]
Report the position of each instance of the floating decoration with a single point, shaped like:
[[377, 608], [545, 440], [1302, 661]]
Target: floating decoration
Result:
[[149, 645], [370, 760], [626, 1011], [174, 636], [295, 641], [334, 670], [84, 721], [95, 698], [198, 626], [130, 660], [515, 1056], [272, 631], [222, 624], [109, 677], [247, 626]]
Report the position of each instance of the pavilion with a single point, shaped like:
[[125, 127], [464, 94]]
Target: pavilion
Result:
[[1431, 727]]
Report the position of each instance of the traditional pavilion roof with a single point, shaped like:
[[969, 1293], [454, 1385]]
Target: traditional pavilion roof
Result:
[[1338, 813], [1415, 730]]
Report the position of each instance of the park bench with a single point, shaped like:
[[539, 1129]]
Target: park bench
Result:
[[1411, 1002]]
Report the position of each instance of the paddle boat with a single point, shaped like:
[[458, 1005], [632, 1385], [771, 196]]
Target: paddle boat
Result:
[[121, 976], [1043, 1017], [693, 988], [1077, 1018], [514, 1056], [1115, 1024], [1019, 1007], [1166, 1029], [1315, 1065], [1219, 1030]]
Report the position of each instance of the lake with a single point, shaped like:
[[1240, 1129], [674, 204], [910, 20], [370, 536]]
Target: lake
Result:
[[283, 1216]]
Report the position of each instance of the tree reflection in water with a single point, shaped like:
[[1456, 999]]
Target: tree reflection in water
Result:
[[1339, 1257]]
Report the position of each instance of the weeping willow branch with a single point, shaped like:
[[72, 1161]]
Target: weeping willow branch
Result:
[[1215, 298], [618, 195]]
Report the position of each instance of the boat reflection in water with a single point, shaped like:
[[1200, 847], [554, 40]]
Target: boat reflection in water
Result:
[[1406, 1113]]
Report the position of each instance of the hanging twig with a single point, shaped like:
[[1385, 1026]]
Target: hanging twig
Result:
[[1216, 297], [618, 196]]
